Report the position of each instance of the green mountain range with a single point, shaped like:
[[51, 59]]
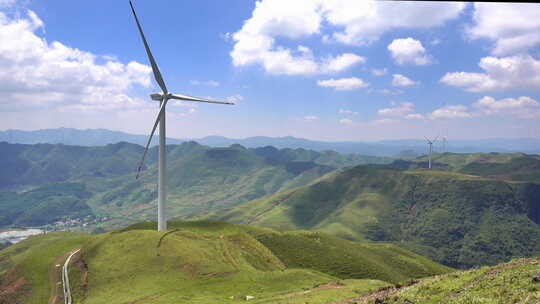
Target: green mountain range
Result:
[[45, 183], [472, 209], [460, 220]]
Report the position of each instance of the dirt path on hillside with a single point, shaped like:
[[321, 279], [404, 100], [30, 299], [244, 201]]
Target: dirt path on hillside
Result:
[[54, 279], [272, 206]]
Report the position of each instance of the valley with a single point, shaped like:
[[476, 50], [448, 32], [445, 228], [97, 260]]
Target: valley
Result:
[[470, 210], [61, 187], [457, 219]]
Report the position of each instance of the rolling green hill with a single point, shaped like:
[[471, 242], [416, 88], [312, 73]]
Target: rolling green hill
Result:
[[204, 262], [506, 166], [456, 219], [45, 183]]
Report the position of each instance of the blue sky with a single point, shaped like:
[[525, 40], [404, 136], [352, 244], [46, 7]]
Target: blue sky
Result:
[[329, 70]]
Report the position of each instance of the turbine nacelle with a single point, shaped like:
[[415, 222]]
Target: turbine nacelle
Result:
[[156, 96]]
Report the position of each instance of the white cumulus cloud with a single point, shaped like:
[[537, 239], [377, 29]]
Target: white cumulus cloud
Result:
[[311, 118], [408, 51], [6, 3], [522, 107], [235, 98], [35, 73], [343, 84], [340, 63], [210, 83], [349, 21], [500, 74], [379, 72], [402, 109], [365, 21], [451, 111], [346, 121], [347, 112], [399, 80], [513, 27], [414, 116]]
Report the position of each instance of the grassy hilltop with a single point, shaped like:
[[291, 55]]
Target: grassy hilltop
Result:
[[505, 166], [205, 262], [460, 220]]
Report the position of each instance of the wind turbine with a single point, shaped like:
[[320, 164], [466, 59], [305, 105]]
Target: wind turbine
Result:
[[430, 143], [162, 97], [444, 144]]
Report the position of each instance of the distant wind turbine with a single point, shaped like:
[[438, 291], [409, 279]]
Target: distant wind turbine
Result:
[[444, 144], [162, 97], [430, 143]]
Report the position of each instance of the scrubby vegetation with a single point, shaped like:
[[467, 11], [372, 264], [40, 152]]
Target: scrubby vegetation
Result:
[[511, 282]]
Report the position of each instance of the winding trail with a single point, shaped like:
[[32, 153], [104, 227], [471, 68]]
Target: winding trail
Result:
[[65, 279]]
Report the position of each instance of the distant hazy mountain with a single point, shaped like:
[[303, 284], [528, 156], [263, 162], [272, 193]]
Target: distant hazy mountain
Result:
[[101, 137], [77, 137]]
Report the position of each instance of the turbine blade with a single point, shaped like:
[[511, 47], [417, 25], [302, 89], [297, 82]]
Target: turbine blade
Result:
[[161, 110], [191, 98], [155, 69]]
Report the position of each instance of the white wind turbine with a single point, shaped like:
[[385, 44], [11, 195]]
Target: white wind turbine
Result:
[[430, 143], [162, 97]]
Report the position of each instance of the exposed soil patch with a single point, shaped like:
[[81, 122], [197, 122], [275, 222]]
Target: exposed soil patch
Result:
[[330, 285], [219, 275], [382, 294], [273, 205], [191, 270], [54, 278], [13, 288], [227, 254], [81, 265]]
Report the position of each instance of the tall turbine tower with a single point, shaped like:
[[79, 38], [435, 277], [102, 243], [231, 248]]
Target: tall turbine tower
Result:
[[430, 143], [444, 144], [162, 97]]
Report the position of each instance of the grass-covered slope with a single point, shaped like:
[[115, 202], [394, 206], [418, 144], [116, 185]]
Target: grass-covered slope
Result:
[[205, 262], [510, 282], [347, 259], [26, 268], [457, 219]]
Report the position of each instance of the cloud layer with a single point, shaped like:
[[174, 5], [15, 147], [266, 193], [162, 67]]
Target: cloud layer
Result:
[[500, 74], [343, 84], [513, 27], [35, 73], [348, 22]]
